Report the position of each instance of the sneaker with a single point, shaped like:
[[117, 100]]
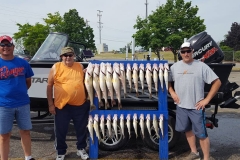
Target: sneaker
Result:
[[60, 157], [193, 156], [83, 154]]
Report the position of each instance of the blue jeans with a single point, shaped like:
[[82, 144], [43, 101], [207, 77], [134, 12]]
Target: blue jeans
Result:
[[79, 115], [21, 114]]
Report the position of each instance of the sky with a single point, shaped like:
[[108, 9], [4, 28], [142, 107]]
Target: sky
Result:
[[118, 16]]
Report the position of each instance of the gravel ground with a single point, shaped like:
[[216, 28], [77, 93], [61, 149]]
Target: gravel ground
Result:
[[225, 141]]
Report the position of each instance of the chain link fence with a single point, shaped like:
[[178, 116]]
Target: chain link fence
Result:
[[231, 56]]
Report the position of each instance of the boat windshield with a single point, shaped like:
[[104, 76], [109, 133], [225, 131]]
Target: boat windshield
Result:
[[51, 47]]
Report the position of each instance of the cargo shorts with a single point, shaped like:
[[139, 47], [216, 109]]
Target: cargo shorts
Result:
[[191, 119]]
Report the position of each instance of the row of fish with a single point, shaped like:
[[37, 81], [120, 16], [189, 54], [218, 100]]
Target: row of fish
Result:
[[94, 125], [106, 79], [156, 72]]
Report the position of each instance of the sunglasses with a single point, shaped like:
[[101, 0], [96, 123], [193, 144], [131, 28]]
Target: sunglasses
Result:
[[6, 45], [188, 51], [67, 55]]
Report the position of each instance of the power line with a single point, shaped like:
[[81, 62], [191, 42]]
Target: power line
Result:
[[100, 23]]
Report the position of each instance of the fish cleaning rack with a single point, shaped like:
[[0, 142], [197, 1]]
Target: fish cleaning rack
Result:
[[162, 109]]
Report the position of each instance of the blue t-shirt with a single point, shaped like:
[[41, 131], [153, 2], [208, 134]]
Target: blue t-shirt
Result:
[[13, 87]]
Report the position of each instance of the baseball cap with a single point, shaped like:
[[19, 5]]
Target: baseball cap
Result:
[[186, 45], [4, 37], [67, 50]]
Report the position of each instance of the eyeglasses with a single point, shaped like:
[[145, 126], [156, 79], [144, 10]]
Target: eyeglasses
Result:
[[7, 44], [67, 55], [188, 51]]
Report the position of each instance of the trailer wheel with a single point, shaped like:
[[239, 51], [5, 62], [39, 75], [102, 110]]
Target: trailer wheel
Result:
[[111, 143], [153, 142]]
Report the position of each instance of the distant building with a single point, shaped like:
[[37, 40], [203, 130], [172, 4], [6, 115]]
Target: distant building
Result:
[[102, 48]]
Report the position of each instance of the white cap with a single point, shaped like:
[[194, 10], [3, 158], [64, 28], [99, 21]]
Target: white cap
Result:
[[186, 45]]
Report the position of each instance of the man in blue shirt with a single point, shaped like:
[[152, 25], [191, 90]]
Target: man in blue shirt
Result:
[[15, 80]]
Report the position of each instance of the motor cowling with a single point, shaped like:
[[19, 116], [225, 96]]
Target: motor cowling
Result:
[[205, 48]]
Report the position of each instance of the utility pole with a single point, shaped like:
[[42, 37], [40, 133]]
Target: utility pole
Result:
[[99, 24], [146, 9], [87, 22]]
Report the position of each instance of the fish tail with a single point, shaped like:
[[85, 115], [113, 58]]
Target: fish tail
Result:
[[92, 107], [150, 96], [119, 105], [100, 104]]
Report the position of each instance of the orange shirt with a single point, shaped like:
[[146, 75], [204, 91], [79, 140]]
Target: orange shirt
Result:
[[68, 85]]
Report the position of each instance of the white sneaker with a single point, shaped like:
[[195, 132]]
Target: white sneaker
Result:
[[83, 154], [60, 157]]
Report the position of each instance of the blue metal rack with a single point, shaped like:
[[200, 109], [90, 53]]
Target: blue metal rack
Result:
[[162, 109]]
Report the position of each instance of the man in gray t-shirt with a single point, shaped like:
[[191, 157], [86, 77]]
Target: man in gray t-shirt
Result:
[[189, 77]]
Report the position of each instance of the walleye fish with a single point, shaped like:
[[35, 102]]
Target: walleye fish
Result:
[[149, 78], [129, 77], [109, 127], [142, 124], [109, 83], [123, 79], [115, 126], [135, 77], [96, 84], [102, 82], [155, 77], [148, 123], [96, 128], [166, 69], [161, 71], [89, 85], [161, 123], [116, 83], [141, 76], [122, 124], [155, 125], [128, 123], [102, 125], [90, 127], [135, 122]]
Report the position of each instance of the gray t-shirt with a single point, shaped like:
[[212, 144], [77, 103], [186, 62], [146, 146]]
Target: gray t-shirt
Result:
[[189, 80]]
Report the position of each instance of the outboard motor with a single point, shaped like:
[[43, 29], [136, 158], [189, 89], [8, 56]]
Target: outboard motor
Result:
[[205, 48]]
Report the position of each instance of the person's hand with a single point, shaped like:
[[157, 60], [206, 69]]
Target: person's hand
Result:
[[175, 98], [201, 104], [52, 109], [84, 70]]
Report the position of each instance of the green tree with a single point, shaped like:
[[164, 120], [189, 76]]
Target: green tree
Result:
[[168, 26], [232, 39], [54, 21], [76, 28], [31, 36]]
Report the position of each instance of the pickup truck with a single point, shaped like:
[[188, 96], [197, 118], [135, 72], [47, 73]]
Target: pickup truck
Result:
[[205, 49]]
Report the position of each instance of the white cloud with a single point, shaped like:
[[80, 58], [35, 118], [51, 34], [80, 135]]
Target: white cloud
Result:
[[118, 17]]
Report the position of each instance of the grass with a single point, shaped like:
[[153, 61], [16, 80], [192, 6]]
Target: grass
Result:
[[168, 55]]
